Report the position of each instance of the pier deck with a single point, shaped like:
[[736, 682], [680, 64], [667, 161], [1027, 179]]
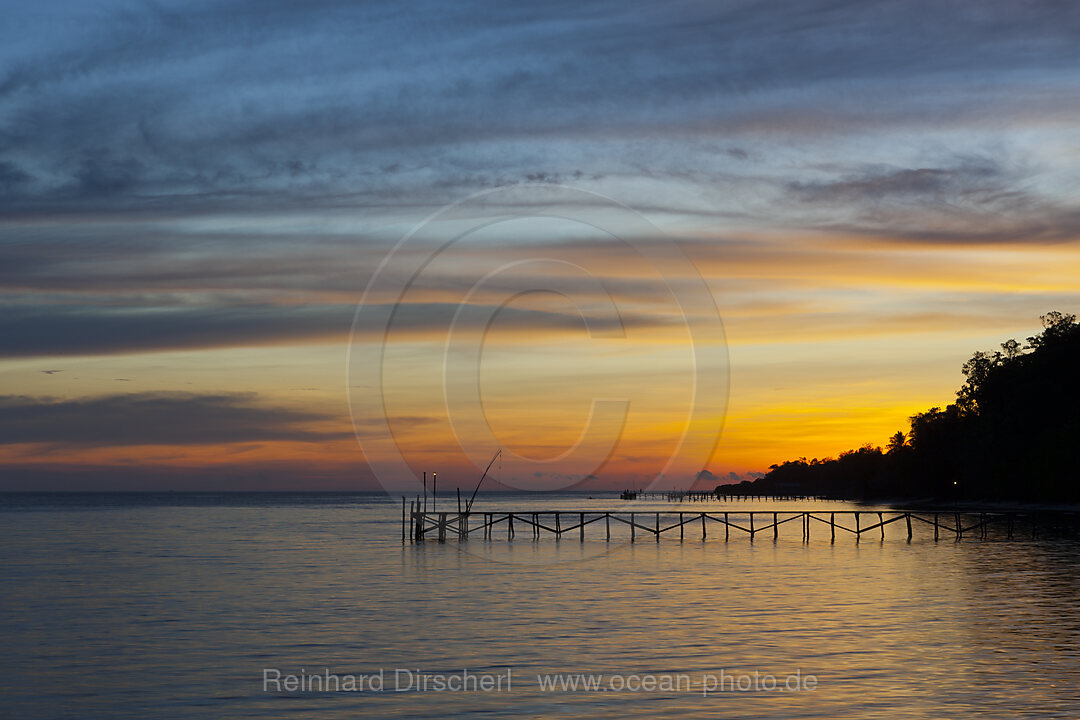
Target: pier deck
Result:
[[421, 526]]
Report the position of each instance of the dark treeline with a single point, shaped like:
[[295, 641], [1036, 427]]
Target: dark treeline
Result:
[[1012, 434]]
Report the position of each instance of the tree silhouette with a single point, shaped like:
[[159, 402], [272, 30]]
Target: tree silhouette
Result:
[[1011, 434]]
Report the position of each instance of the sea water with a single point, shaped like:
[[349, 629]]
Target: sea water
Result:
[[310, 606]]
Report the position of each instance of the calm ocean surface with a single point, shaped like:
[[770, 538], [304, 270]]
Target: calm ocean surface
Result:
[[174, 606]]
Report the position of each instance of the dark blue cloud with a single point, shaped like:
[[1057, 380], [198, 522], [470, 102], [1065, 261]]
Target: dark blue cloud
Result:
[[52, 330], [251, 103], [156, 419], [130, 135]]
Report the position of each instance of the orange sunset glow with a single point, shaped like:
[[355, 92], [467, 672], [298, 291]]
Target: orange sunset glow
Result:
[[678, 279]]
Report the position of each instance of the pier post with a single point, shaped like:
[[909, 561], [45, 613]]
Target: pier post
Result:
[[657, 527], [775, 527], [881, 524], [727, 528], [558, 527], [402, 519], [959, 527], [907, 516], [442, 527], [607, 527], [632, 527], [680, 527], [935, 527], [510, 526], [704, 533], [858, 532], [581, 533], [751, 526], [832, 526]]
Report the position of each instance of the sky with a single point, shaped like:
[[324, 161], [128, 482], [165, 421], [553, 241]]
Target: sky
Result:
[[332, 246]]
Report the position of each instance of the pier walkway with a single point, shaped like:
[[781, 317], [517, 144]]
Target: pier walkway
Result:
[[420, 526]]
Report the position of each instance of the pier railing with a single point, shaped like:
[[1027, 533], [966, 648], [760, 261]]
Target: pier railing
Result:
[[421, 526]]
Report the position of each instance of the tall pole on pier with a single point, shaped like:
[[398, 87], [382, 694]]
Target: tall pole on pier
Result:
[[434, 490], [468, 505], [425, 491]]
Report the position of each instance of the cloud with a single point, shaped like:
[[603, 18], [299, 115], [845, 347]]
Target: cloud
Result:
[[148, 476], [877, 186], [171, 418], [125, 107], [972, 201], [66, 330]]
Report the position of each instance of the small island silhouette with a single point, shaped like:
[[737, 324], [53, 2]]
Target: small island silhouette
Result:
[[1013, 434]]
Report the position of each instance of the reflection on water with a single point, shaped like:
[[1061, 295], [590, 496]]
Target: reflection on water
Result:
[[173, 607]]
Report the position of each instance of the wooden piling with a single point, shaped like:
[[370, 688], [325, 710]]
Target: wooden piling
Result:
[[416, 524]]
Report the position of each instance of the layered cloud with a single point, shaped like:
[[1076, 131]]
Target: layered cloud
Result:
[[198, 178], [259, 105], [68, 330], [168, 418]]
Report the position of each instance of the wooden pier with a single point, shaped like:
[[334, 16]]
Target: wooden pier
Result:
[[420, 526]]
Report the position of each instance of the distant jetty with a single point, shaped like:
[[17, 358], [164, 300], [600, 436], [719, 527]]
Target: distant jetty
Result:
[[708, 495]]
